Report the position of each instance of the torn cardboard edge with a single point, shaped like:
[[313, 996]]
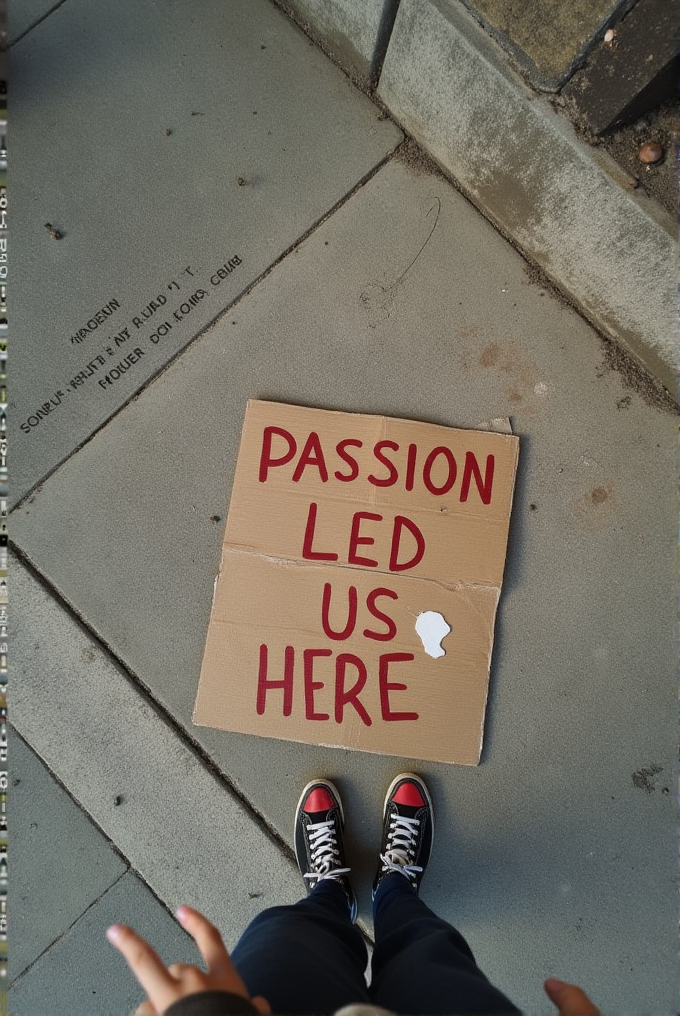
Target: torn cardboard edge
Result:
[[311, 637]]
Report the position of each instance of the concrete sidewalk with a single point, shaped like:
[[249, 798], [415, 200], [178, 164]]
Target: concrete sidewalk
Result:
[[224, 146]]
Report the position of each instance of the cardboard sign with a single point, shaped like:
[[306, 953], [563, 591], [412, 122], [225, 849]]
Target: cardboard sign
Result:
[[361, 569]]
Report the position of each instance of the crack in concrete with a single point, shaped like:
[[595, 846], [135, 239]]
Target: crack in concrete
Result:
[[65, 932]]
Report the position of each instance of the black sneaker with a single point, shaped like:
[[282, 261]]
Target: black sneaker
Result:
[[407, 830], [319, 850]]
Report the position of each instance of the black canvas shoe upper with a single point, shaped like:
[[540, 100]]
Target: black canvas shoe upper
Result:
[[407, 830], [319, 848]]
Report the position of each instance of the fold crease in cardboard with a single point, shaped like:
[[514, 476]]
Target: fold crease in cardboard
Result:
[[344, 530]]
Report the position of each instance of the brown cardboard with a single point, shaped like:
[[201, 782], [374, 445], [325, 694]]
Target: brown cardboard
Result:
[[331, 511]]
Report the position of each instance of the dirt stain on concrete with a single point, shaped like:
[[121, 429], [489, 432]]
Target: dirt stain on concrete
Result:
[[490, 355], [418, 161], [525, 391], [645, 779], [636, 377], [467, 332], [598, 495], [596, 506]]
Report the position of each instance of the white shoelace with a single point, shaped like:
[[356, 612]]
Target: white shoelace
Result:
[[324, 851], [401, 846]]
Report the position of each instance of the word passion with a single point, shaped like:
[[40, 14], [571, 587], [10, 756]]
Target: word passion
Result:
[[347, 673]]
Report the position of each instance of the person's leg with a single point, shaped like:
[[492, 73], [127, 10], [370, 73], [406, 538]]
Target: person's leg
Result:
[[307, 958], [420, 963], [423, 965]]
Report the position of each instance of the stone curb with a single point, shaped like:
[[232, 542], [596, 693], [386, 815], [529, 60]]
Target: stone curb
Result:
[[611, 252]]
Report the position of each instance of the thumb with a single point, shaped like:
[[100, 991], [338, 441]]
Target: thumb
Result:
[[569, 999], [262, 1005]]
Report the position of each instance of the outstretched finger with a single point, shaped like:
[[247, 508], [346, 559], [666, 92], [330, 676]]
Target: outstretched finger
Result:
[[146, 1009], [569, 999], [145, 964], [207, 938]]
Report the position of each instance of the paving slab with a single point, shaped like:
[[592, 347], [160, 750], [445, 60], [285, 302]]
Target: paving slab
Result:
[[61, 863], [167, 208], [421, 309], [82, 974], [25, 13], [182, 830]]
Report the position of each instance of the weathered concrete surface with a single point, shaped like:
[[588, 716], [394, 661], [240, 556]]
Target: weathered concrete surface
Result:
[[548, 38], [617, 83], [60, 863], [82, 974], [202, 139], [355, 33], [444, 80], [24, 13], [407, 302], [183, 831]]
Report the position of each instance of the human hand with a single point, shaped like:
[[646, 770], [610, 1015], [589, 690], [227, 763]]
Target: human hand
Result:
[[570, 1000], [164, 986]]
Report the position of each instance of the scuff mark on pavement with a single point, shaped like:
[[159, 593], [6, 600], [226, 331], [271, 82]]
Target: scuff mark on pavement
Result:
[[644, 779], [377, 296]]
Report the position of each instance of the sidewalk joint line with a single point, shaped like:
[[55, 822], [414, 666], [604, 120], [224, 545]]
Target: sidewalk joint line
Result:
[[57, 779], [30, 494], [129, 870], [36, 23], [62, 934], [174, 725], [184, 736]]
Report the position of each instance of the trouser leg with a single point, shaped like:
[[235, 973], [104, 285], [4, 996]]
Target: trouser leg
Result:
[[307, 958], [423, 965]]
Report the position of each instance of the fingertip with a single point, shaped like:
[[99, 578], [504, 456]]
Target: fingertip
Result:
[[569, 998], [183, 914], [114, 933], [146, 1009]]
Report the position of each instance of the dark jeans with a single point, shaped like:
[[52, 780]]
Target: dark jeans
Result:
[[309, 959]]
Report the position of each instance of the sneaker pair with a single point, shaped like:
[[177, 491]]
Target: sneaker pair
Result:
[[406, 841]]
